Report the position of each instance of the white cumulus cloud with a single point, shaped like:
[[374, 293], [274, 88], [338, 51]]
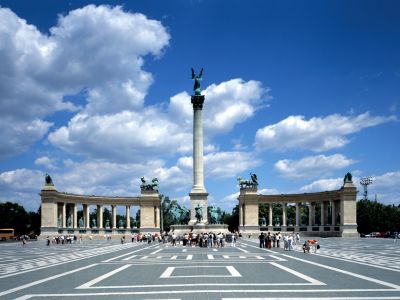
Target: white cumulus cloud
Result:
[[98, 49], [317, 134]]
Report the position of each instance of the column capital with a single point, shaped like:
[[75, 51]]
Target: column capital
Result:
[[197, 101]]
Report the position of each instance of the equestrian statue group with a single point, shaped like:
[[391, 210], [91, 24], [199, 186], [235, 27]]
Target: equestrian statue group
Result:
[[252, 183]]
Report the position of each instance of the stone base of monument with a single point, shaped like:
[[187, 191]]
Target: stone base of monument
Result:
[[199, 228]]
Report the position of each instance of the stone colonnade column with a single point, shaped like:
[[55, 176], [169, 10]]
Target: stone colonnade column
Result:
[[297, 214], [270, 214], [64, 215], [86, 215], [113, 216], [75, 217], [322, 213], [310, 214], [240, 214], [128, 216], [100, 216], [333, 213], [284, 207]]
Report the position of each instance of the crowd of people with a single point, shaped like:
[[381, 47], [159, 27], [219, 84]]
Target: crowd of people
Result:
[[287, 241], [205, 239]]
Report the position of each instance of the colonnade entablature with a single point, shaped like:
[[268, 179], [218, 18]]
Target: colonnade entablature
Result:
[[329, 213], [59, 213]]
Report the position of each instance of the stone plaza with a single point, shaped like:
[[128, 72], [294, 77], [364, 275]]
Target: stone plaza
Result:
[[350, 268]]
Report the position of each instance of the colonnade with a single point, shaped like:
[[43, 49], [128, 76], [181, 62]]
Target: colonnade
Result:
[[337, 210], [67, 217], [60, 212], [329, 214]]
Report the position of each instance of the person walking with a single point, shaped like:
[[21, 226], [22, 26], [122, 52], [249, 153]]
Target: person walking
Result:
[[261, 237]]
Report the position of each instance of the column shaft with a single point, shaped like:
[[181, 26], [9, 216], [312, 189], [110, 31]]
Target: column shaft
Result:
[[322, 213], [114, 216], [100, 216], [198, 168], [128, 216], [75, 221], [284, 207], [333, 213], [270, 214], [297, 214], [64, 215]]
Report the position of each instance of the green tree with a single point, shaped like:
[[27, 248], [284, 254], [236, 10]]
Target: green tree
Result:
[[14, 216]]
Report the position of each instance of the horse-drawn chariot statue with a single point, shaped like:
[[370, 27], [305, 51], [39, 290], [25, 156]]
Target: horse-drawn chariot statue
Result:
[[153, 186], [252, 183]]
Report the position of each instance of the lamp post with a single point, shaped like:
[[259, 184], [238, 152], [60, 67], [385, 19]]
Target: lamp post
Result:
[[365, 182]]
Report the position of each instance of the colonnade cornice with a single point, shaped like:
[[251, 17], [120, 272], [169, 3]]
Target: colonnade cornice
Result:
[[96, 200], [306, 197]]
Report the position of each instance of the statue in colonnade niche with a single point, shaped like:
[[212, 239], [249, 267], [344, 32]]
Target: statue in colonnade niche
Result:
[[80, 223], [94, 224], [107, 223], [120, 223], [69, 221]]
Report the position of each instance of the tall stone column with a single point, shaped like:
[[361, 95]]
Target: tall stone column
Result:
[[128, 217], [297, 214], [198, 194]]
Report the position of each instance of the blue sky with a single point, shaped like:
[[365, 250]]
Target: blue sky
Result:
[[97, 94]]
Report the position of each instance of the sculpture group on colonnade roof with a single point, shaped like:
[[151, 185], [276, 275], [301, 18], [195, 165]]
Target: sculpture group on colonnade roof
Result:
[[153, 186], [252, 183]]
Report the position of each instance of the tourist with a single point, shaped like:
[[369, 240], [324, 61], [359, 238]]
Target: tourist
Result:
[[313, 244], [173, 239], [279, 237], [261, 237], [233, 240], [48, 241], [306, 247], [210, 239], [290, 241], [285, 242], [297, 238]]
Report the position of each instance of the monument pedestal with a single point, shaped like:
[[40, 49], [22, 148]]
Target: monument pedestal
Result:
[[198, 198]]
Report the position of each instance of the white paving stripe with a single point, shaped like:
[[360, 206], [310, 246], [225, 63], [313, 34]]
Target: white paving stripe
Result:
[[129, 257], [209, 256], [28, 285], [156, 251], [189, 257], [167, 273], [298, 274], [233, 271], [242, 250], [102, 277]]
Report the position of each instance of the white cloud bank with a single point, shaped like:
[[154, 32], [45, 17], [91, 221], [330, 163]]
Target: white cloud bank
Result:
[[317, 134], [312, 166]]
